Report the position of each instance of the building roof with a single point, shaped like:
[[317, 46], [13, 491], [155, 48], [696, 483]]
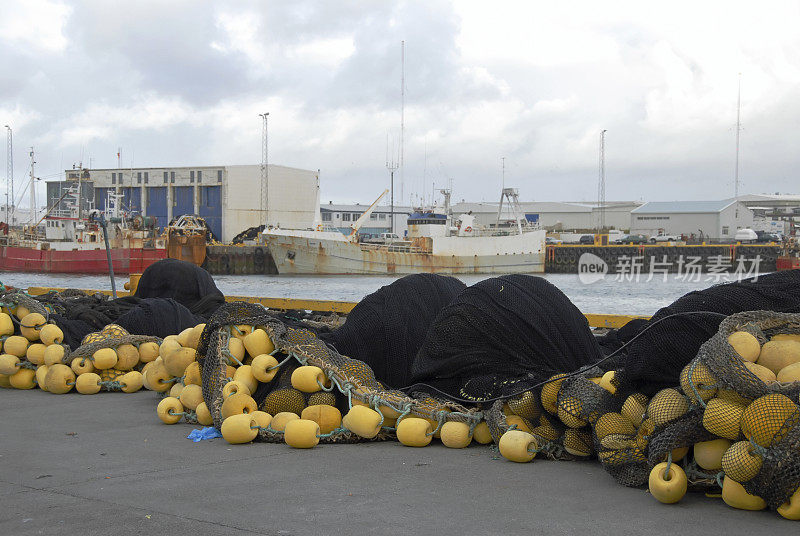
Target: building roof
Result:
[[536, 206], [362, 208], [683, 207]]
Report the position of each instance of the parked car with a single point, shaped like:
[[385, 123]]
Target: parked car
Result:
[[632, 239], [745, 235], [764, 237], [586, 239], [663, 237]]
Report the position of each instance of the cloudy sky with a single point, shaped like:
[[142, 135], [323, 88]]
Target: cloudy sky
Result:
[[182, 83]]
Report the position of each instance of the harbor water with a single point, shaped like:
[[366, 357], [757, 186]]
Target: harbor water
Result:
[[613, 294]]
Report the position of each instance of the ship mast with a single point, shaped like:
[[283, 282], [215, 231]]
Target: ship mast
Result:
[[738, 129], [33, 191]]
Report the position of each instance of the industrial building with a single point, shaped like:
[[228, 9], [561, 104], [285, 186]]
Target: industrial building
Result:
[[715, 221], [227, 197], [380, 221]]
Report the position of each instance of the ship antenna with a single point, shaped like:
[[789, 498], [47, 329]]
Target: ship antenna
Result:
[[402, 116]]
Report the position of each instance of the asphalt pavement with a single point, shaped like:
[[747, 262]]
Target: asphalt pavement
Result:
[[105, 464]]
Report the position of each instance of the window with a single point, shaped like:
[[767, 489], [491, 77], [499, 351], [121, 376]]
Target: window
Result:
[[191, 176], [640, 218], [356, 215], [381, 216], [172, 177], [166, 177], [725, 230], [345, 216], [373, 216], [326, 216], [139, 177], [113, 178], [199, 176], [219, 175], [146, 177]]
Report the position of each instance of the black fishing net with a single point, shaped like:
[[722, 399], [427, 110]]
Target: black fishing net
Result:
[[502, 335], [186, 283], [386, 329], [654, 360]]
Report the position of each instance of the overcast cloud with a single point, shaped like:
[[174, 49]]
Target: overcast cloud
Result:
[[182, 83]]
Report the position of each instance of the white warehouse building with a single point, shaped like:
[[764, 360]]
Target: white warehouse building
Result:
[[706, 220], [227, 197]]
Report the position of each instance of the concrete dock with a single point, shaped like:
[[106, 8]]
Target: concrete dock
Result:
[[104, 464]]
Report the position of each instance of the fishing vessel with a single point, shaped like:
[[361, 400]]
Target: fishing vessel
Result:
[[437, 242], [70, 240]]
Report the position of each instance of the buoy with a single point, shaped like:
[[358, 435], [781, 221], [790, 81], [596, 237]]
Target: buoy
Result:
[[197, 333], [525, 405], [184, 338], [763, 373], [734, 495], [127, 357], [740, 462], [667, 487], [569, 407], [105, 358], [765, 419], [323, 398], [284, 400], [262, 418], [745, 344], [241, 331], [301, 433], [280, 419], [244, 375], [176, 389], [5, 383], [776, 355], [24, 378], [264, 367], [613, 423], [51, 334], [191, 396], [167, 347], [233, 387], [518, 446], [698, 382], [481, 434], [607, 382], [723, 418], [327, 417], [203, 415], [169, 410], [549, 395], [732, 396], [82, 365], [789, 373], [6, 324], [88, 383], [148, 351], [177, 361], [515, 420], [35, 353], [54, 354], [414, 432], [258, 343], [59, 379], [9, 364], [41, 373], [239, 429], [236, 349], [30, 325], [456, 435], [16, 345], [238, 403], [192, 374], [363, 421], [131, 381], [708, 454], [309, 379], [791, 508], [578, 442], [786, 337], [634, 408], [666, 406], [158, 379]]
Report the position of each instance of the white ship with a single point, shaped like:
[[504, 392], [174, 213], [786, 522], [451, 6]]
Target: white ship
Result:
[[436, 243]]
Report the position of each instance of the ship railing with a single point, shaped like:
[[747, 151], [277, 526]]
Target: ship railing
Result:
[[394, 248]]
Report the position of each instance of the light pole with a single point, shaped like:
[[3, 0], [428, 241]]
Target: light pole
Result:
[[264, 168], [9, 173]]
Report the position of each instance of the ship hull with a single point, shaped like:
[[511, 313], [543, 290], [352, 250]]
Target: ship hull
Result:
[[78, 261], [303, 255]]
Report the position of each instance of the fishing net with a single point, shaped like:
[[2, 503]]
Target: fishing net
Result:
[[396, 318], [352, 381], [184, 282], [654, 360]]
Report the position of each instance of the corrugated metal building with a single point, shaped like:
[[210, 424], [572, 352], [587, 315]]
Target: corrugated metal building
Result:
[[711, 220], [227, 197]]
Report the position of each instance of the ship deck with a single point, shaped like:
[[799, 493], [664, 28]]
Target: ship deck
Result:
[[104, 464]]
